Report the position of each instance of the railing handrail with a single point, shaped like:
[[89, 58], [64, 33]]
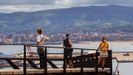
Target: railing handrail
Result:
[[47, 46], [50, 46], [61, 47]]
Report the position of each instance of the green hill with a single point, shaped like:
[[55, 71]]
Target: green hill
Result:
[[91, 19]]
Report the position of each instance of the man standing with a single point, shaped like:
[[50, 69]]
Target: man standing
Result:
[[68, 50], [40, 42]]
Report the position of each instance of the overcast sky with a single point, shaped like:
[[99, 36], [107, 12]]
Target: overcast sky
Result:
[[37, 5]]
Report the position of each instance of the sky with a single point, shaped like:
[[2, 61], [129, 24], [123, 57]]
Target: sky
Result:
[[9, 6]]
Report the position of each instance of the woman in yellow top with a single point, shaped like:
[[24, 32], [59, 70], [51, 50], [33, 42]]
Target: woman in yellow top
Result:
[[103, 47]]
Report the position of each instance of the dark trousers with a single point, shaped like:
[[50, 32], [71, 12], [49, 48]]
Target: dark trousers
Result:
[[68, 55], [41, 57]]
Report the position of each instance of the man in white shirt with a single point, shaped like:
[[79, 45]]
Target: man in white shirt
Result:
[[40, 42]]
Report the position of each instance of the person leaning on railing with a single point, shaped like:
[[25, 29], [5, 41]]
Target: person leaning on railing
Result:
[[103, 47], [40, 42], [68, 50]]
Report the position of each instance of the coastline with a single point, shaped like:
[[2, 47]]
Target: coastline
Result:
[[89, 42]]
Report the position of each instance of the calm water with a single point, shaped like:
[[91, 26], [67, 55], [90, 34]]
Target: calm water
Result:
[[125, 68]]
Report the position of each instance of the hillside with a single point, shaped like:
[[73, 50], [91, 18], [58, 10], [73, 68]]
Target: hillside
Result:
[[92, 18]]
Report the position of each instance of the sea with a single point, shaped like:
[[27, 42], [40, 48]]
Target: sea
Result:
[[124, 68]]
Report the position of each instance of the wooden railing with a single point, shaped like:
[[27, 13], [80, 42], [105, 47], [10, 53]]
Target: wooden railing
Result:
[[81, 50]]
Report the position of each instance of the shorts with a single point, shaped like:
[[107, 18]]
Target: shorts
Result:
[[103, 54]]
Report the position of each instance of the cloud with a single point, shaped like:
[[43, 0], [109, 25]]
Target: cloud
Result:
[[28, 8], [91, 2], [78, 3], [9, 6], [64, 2], [74, 2], [18, 8], [26, 2]]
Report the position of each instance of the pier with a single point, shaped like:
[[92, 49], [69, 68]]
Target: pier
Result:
[[85, 62]]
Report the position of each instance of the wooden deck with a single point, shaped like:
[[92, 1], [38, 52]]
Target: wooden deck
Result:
[[119, 56], [51, 70], [57, 70], [122, 57], [84, 62]]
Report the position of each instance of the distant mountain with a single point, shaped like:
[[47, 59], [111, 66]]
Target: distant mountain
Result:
[[92, 18]]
